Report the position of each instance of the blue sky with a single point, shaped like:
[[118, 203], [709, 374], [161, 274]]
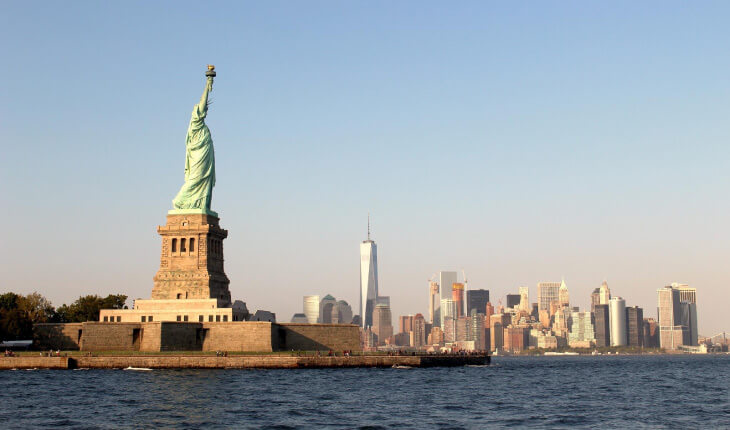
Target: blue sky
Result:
[[519, 142]]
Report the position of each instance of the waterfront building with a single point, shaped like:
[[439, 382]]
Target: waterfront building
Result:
[[418, 332], [516, 339], [635, 326], [405, 323], [651, 333], [436, 337], [446, 282], [547, 341], [457, 293], [547, 293], [605, 293], [602, 325], [513, 301], [382, 323], [563, 295], [497, 323], [311, 309], [581, 334], [325, 309], [670, 322], [617, 312], [402, 339], [368, 279], [688, 311], [299, 318], [477, 300], [476, 331], [434, 304]]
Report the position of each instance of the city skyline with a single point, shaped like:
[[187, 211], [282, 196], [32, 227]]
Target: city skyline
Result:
[[520, 145]]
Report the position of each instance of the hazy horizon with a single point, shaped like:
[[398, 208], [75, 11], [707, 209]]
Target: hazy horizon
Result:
[[520, 143]]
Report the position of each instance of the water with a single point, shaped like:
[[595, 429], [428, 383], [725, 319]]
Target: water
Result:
[[552, 392]]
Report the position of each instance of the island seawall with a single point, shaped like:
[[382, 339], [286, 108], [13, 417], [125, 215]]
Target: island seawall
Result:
[[238, 361]]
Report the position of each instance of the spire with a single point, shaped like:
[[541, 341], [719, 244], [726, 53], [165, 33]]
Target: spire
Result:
[[368, 225]]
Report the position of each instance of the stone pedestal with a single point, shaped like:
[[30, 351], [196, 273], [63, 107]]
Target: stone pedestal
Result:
[[191, 261]]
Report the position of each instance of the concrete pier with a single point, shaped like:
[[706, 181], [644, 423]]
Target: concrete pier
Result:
[[238, 361]]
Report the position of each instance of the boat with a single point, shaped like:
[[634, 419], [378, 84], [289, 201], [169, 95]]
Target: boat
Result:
[[552, 353]]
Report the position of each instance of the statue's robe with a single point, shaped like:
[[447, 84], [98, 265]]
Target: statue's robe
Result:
[[197, 191]]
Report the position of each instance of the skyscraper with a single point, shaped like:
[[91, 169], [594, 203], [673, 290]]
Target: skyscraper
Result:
[[325, 309], [547, 292], [382, 323], [434, 304], [477, 301], [604, 293], [688, 312], [635, 326], [686, 293], [525, 299], [418, 334], [513, 301], [448, 310], [617, 311], [406, 323], [602, 325], [457, 293], [595, 299], [311, 309], [446, 282], [563, 296], [670, 322], [368, 279], [581, 331]]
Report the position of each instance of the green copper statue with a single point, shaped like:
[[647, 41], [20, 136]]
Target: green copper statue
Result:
[[197, 192]]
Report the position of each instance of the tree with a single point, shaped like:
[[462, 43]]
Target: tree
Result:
[[37, 308], [9, 301], [86, 308]]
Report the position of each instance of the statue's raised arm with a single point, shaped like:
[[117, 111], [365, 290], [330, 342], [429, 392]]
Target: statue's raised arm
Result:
[[197, 191]]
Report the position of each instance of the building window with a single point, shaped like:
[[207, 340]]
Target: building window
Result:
[[225, 318], [119, 318], [174, 245], [217, 318], [185, 318], [150, 318], [210, 318], [178, 318], [144, 318], [106, 319], [182, 245], [200, 318], [192, 245], [179, 296]]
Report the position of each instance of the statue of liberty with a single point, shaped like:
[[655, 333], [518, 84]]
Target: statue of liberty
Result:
[[197, 191]]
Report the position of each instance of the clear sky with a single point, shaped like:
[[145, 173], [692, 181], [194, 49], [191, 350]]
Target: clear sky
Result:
[[519, 142]]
